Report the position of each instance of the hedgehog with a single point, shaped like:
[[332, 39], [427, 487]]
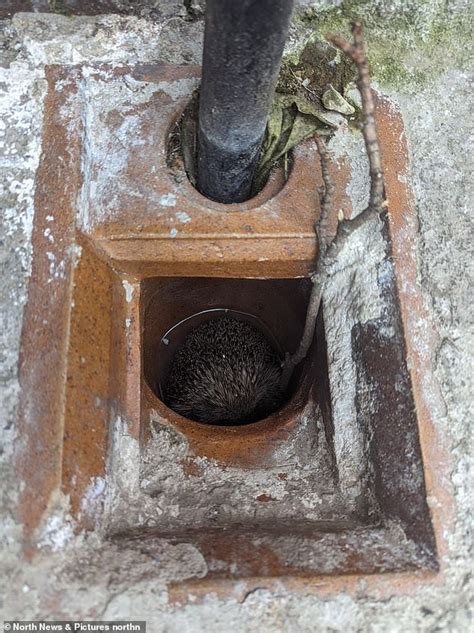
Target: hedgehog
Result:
[[225, 372]]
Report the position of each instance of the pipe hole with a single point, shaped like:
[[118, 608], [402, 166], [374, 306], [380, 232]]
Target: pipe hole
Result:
[[181, 159]]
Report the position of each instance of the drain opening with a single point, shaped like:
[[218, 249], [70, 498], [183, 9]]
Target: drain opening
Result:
[[271, 314], [224, 368]]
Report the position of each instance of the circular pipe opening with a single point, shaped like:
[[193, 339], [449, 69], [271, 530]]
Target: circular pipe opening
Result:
[[221, 367], [173, 307]]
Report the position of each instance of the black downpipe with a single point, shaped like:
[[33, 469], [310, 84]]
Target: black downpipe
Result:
[[243, 45]]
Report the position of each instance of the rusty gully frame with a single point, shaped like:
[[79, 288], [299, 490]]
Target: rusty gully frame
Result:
[[125, 233]]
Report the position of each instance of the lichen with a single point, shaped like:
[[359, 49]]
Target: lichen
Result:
[[409, 42]]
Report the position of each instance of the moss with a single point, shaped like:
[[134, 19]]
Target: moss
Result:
[[287, 82], [59, 7], [410, 42], [318, 65]]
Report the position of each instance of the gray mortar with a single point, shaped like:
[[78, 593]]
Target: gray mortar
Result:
[[81, 570]]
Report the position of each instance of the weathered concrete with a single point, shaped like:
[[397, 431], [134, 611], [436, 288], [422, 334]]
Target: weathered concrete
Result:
[[436, 115]]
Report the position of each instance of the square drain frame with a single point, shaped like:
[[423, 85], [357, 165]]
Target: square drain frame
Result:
[[81, 368]]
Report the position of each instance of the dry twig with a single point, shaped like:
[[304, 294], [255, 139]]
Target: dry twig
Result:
[[329, 249], [326, 197]]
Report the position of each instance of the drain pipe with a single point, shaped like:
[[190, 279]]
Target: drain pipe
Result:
[[243, 45]]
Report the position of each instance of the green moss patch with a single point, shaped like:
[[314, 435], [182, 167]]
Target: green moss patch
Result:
[[409, 42]]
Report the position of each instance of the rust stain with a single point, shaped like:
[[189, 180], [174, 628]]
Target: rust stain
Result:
[[270, 235], [191, 468], [87, 381], [264, 498], [420, 336], [46, 321]]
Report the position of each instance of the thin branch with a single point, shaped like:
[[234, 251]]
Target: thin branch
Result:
[[326, 197], [329, 250], [317, 278], [358, 55], [291, 361], [302, 83]]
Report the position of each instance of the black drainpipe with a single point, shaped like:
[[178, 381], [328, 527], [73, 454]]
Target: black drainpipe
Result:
[[243, 45]]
